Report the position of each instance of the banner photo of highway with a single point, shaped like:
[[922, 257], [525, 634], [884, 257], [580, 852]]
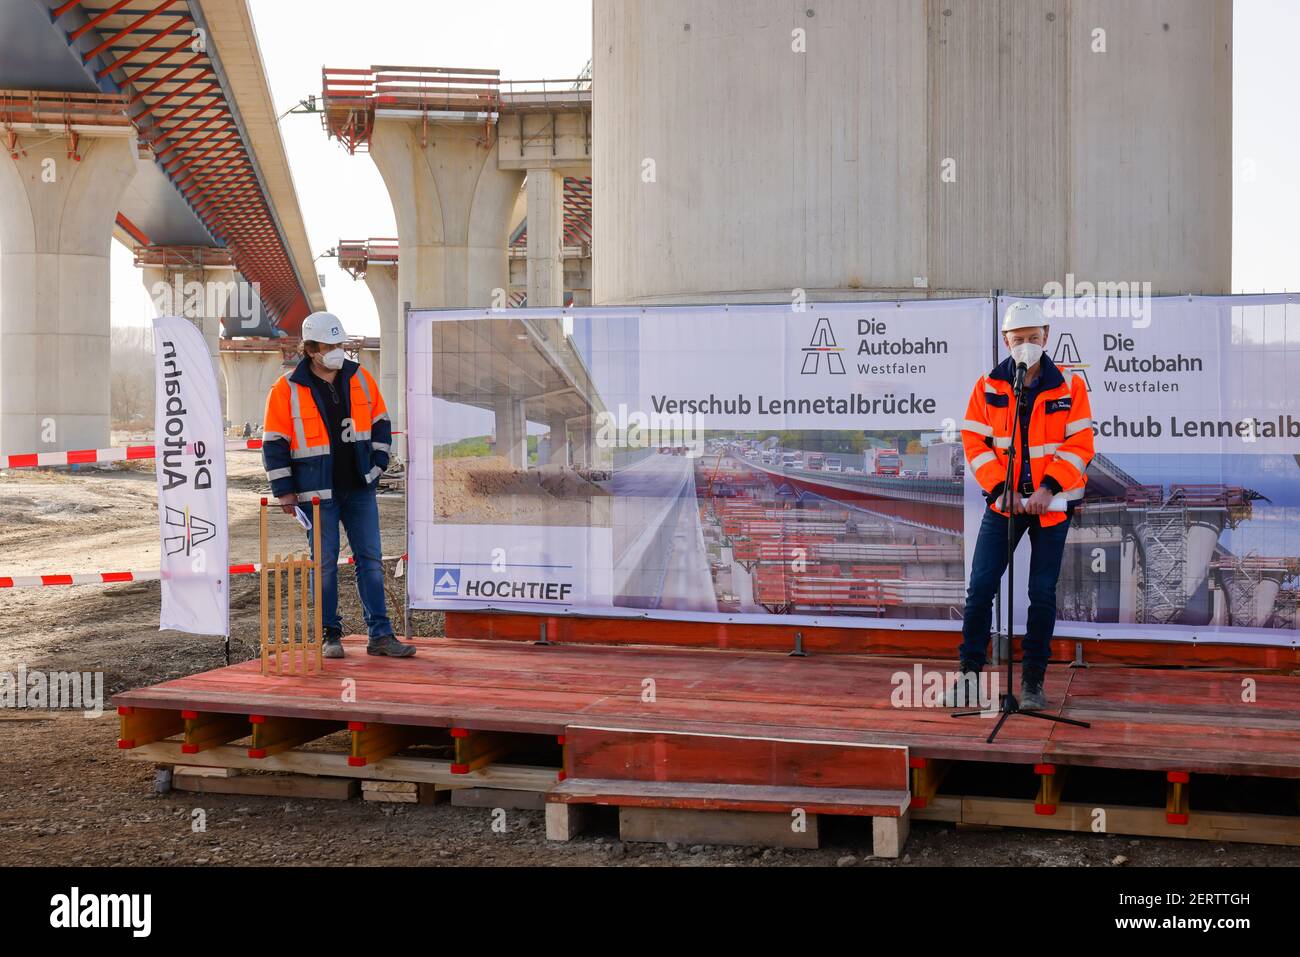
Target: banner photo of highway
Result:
[[1190, 529], [694, 462]]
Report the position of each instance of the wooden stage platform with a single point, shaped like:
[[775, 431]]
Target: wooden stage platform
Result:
[[730, 731]]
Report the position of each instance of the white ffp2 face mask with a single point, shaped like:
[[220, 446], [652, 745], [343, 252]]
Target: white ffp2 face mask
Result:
[[333, 359], [1027, 352]]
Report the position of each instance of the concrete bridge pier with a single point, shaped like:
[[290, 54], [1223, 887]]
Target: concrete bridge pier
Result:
[[545, 188], [452, 204], [249, 370], [202, 293], [382, 283], [56, 224]]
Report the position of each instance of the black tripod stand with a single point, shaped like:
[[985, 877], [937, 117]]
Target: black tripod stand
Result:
[[1009, 704]]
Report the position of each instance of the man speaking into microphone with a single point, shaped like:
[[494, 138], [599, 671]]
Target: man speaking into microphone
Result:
[[1052, 452]]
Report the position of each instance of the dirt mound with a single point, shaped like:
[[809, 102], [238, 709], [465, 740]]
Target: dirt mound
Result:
[[490, 491]]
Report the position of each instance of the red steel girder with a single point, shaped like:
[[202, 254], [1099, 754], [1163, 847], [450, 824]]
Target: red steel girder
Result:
[[160, 35], [97, 19], [199, 129], [205, 167], [163, 98], [157, 83], [144, 18]]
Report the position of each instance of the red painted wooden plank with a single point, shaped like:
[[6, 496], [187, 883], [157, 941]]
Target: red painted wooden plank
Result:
[[632, 755]]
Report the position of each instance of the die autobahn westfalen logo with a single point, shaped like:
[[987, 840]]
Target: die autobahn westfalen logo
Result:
[[823, 353]]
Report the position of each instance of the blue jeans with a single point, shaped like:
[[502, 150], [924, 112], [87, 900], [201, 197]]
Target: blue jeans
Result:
[[1047, 549], [358, 510]]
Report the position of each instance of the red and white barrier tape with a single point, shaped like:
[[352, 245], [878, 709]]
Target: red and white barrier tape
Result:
[[117, 453], [112, 578]]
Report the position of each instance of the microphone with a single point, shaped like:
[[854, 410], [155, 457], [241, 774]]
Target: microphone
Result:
[[1021, 369]]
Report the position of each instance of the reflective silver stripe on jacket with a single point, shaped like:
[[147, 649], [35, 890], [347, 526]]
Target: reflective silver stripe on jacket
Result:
[[374, 473], [381, 417], [365, 387], [311, 452], [979, 428], [1077, 426], [380, 446], [1073, 495], [981, 460], [295, 409], [321, 494], [1038, 451], [1002, 443], [274, 436], [279, 474], [1073, 459]]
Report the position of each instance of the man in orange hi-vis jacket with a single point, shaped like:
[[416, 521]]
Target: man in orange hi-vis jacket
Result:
[[1053, 449], [327, 434]]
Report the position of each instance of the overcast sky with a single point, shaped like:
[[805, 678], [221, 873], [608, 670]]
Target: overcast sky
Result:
[[343, 197]]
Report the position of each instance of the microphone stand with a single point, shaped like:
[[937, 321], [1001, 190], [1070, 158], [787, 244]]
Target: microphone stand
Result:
[[1009, 704]]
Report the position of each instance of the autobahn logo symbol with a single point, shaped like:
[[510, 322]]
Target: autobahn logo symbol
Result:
[[1067, 358], [196, 531], [822, 345], [446, 581]]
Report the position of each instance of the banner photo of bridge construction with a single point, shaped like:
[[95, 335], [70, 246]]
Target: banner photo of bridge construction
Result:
[[695, 462], [1189, 527]]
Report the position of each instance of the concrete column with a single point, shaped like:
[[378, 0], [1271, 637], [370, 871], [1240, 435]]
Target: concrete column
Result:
[[1128, 580], [452, 206], [203, 294], [512, 431], [382, 283], [1264, 599], [580, 444], [248, 379], [56, 223], [545, 239], [577, 279], [558, 447], [370, 360]]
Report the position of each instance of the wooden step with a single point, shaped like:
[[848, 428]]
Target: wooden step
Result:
[[730, 797], [631, 754]]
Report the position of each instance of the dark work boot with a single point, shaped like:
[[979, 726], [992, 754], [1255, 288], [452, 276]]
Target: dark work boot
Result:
[[1031, 691], [390, 646], [965, 690], [332, 643]]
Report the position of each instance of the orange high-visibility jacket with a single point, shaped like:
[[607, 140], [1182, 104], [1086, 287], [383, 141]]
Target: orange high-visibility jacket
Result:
[[1060, 434], [295, 437]]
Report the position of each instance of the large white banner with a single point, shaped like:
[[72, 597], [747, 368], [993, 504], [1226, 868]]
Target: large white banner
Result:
[[1190, 530], [774, 463], [191, 468]]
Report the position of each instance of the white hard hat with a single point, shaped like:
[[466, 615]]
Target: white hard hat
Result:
[[1023, 315], [323, 327]]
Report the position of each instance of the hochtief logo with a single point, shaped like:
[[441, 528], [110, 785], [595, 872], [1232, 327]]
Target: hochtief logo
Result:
[[446, 581], [822, 344], [1067, 358], [197, 530]]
